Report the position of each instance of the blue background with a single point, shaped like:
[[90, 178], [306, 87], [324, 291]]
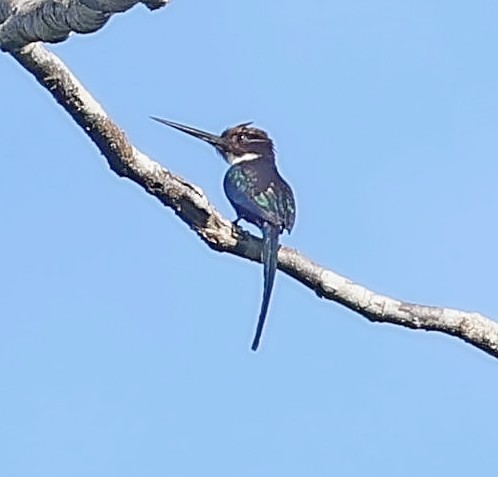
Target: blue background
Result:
[[124, 340]]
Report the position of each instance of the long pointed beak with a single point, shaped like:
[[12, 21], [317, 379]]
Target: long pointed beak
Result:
[[213, 139]]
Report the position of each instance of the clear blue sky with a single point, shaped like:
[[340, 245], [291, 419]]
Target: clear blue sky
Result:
[[124, 340]]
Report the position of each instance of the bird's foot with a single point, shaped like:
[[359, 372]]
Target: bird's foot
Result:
[[242, 232]]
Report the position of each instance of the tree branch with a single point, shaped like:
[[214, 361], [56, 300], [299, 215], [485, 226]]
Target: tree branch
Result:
[[25, 21], [192, 206]]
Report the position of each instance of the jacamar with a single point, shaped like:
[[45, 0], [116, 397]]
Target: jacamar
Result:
[[256, 191]]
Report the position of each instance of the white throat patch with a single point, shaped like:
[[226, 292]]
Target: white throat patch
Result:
[[248, 156]]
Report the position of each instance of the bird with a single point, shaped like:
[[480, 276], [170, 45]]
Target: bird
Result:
[[256, 191]]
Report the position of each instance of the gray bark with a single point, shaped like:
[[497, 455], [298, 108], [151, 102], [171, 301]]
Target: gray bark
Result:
[[192, 206], [26, 21]]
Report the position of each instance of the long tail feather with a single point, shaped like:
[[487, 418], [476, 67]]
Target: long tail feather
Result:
[[270, 250]]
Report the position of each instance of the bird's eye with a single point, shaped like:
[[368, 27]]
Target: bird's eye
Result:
[[243, 137]]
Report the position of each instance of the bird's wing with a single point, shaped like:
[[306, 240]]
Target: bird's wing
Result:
[[265, 199], [252, 198], [287, 205]]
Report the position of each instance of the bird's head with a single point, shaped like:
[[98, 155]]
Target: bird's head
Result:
[[238, 144]]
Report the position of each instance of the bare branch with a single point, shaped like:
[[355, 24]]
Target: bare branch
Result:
[[192, 206], [26, 21]]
